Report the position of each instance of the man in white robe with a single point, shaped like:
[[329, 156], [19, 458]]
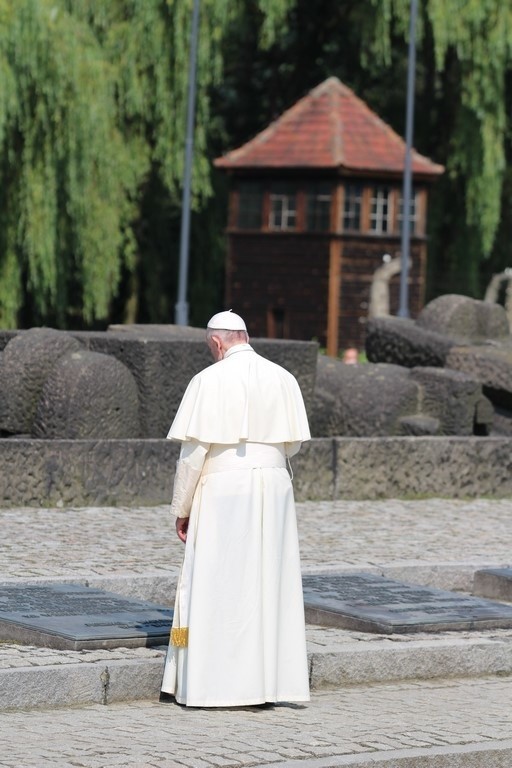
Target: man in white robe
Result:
[[238, 635]]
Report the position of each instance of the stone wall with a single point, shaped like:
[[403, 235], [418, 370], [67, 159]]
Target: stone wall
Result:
[[69, 473], [123, 383]]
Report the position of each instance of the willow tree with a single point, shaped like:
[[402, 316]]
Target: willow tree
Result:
[[471, 45], [92, 103]]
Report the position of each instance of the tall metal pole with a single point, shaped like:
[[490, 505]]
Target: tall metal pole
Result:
[[406, 192], [181, 308]]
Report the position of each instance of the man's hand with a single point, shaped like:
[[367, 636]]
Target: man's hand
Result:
[[182, 528]]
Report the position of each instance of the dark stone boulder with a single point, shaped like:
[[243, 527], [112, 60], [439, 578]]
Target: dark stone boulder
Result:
[[402, 342], [461, 317], [491, 365], [361, 400], [163, 359], [452, 398], [462, 335], [298, 357], [27, 360], [376, 400], [88, 396], [161, 366], [502, 422], [5, 338]]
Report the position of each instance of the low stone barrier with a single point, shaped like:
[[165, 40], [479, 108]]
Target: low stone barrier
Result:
[[68, 473]]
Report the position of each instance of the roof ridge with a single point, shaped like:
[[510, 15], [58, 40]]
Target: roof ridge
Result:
[[262, 136], [337, 148], [393, 135], [329, 127]]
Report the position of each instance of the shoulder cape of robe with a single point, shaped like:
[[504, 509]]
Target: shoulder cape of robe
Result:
[[242, 397]]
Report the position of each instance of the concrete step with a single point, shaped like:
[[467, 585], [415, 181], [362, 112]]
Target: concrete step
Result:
[[494, 583], [41, 677], [492, 754]]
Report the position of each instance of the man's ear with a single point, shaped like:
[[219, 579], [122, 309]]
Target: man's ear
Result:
[[217, 341], [218, 349]]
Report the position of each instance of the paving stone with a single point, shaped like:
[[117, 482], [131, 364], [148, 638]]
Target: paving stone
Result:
[[358, 726], [431, 723], [94, 543], [494, 582]]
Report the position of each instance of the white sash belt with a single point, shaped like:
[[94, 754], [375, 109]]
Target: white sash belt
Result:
[[222, 458]]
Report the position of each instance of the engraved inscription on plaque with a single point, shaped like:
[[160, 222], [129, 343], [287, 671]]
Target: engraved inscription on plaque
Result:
[[371, 603], [76, 617]]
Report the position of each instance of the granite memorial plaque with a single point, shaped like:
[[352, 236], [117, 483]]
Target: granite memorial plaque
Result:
[[70, 616], [370, 603]]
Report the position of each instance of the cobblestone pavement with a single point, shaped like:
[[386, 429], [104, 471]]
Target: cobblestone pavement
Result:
[[365, 720], [357, 720], [105, 541]]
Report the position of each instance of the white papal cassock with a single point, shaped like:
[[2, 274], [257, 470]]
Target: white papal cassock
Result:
[[238, 634]]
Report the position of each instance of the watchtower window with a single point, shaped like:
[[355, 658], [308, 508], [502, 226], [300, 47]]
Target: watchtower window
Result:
[[381, 210], [250, 205], [413, 213], [283, 208], [318, 211], [352, 207]]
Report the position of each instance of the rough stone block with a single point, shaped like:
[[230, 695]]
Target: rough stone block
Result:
[[129, 680], [313, 471], [161, 367], [495, 583], [484, 416], [402, 342], [461, 317], [491, 365], [163, 359], [55, 686], [450, 396], [86, 396], [502, 422], [298, 357], [27, 361], [66, 473], [412, 467], [361, 400], [363, 662]]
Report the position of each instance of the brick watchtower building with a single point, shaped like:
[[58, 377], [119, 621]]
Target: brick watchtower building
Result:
[[315, 204]]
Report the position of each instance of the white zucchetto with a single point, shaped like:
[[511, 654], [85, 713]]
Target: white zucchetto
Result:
[[227, 321]]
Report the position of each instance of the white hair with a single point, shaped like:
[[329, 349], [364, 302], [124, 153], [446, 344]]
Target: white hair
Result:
[[228, 337]]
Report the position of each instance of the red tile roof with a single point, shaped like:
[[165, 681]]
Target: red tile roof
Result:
[[329, 128]]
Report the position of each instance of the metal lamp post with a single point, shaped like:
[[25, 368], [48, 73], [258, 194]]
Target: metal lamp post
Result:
[[181, 308], [406, 193]]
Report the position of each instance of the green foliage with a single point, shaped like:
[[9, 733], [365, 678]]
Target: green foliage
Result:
[[63, 209], [93, 98], [476, 36], [92, 120]]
